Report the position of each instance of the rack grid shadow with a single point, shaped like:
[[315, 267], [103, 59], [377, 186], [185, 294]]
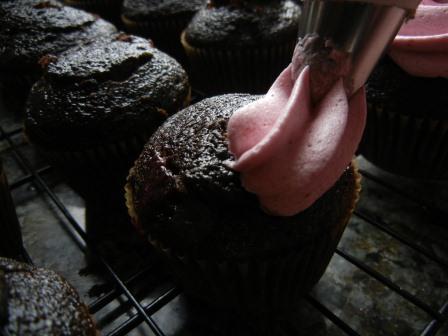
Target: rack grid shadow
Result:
[[389, 275]]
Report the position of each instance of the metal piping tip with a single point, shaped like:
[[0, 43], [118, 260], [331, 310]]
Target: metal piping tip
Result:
[[359, 29]]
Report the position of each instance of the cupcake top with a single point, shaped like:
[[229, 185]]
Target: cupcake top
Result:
[[35, 301], [182, 191], [146, 9], [244, 23], [104, 91], [30, 29]]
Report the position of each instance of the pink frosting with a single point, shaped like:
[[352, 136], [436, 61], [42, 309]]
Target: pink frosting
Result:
[[290, 153], [421, 46]]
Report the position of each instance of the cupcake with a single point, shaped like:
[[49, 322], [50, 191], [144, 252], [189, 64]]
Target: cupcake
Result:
[[32, 29], [35, 301], [407, 125], [96, 106], [246, 197], [240, 46], [107, 9], [10, 235], [162, 21]]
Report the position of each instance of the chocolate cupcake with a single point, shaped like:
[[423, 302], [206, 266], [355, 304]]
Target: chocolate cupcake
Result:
[[32, 29], [162, 21], [96, 106], [220, 243], [407, 96], [407, 125], [35, 301], [241, 46]]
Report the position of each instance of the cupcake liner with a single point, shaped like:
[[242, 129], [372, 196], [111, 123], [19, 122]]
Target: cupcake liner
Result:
[[406, 145], [159, 27], [104, 165], [165, 32], [102, 168], [107, 9], [98, 175], [94, 3], [15, 88], [260, 287], [247, 70], [100, 6], [255, 287], [10, 234]]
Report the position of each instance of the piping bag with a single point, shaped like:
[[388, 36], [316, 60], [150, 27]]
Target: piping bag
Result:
[[294, 143]]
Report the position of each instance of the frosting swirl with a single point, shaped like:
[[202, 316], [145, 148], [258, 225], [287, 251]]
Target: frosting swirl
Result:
[[289, 152], [421, 46]]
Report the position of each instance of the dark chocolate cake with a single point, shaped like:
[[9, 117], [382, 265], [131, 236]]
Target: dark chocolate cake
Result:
[[241, 46], [96, 106], [243, 23], [392, 89], [31, 29], [35, 302], [407, 123], [223, 248], [104, 92], [161, 20], [184, 195]]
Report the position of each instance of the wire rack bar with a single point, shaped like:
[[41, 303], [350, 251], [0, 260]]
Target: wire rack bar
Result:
[[385, 281], [9, 134], [75, 225], [404, 194], [29, 178], [108, 297], [331, 316], [383, 227], [433, 327], [151, 308]]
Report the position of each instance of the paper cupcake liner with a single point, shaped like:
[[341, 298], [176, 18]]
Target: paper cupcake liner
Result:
[[164, 32], [102, 6], [406, 145], [259, 287], [107, 9], [94, 3], [10, 233], [103, 166], [15, 88], [246, 70], [99, 168]]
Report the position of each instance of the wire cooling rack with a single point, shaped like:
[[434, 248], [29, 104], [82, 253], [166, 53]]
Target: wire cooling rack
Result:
[[389, 275]]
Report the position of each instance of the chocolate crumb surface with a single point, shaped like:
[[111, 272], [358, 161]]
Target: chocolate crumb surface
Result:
[[185, 196], [40, 302]]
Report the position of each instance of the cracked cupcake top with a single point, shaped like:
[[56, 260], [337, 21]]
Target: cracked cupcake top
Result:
[[104, 91], [30, 29]]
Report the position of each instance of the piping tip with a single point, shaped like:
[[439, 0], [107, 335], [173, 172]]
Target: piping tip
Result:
[[354, 33]]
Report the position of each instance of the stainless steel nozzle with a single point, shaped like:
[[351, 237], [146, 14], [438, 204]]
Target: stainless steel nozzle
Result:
[[361, 29]]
